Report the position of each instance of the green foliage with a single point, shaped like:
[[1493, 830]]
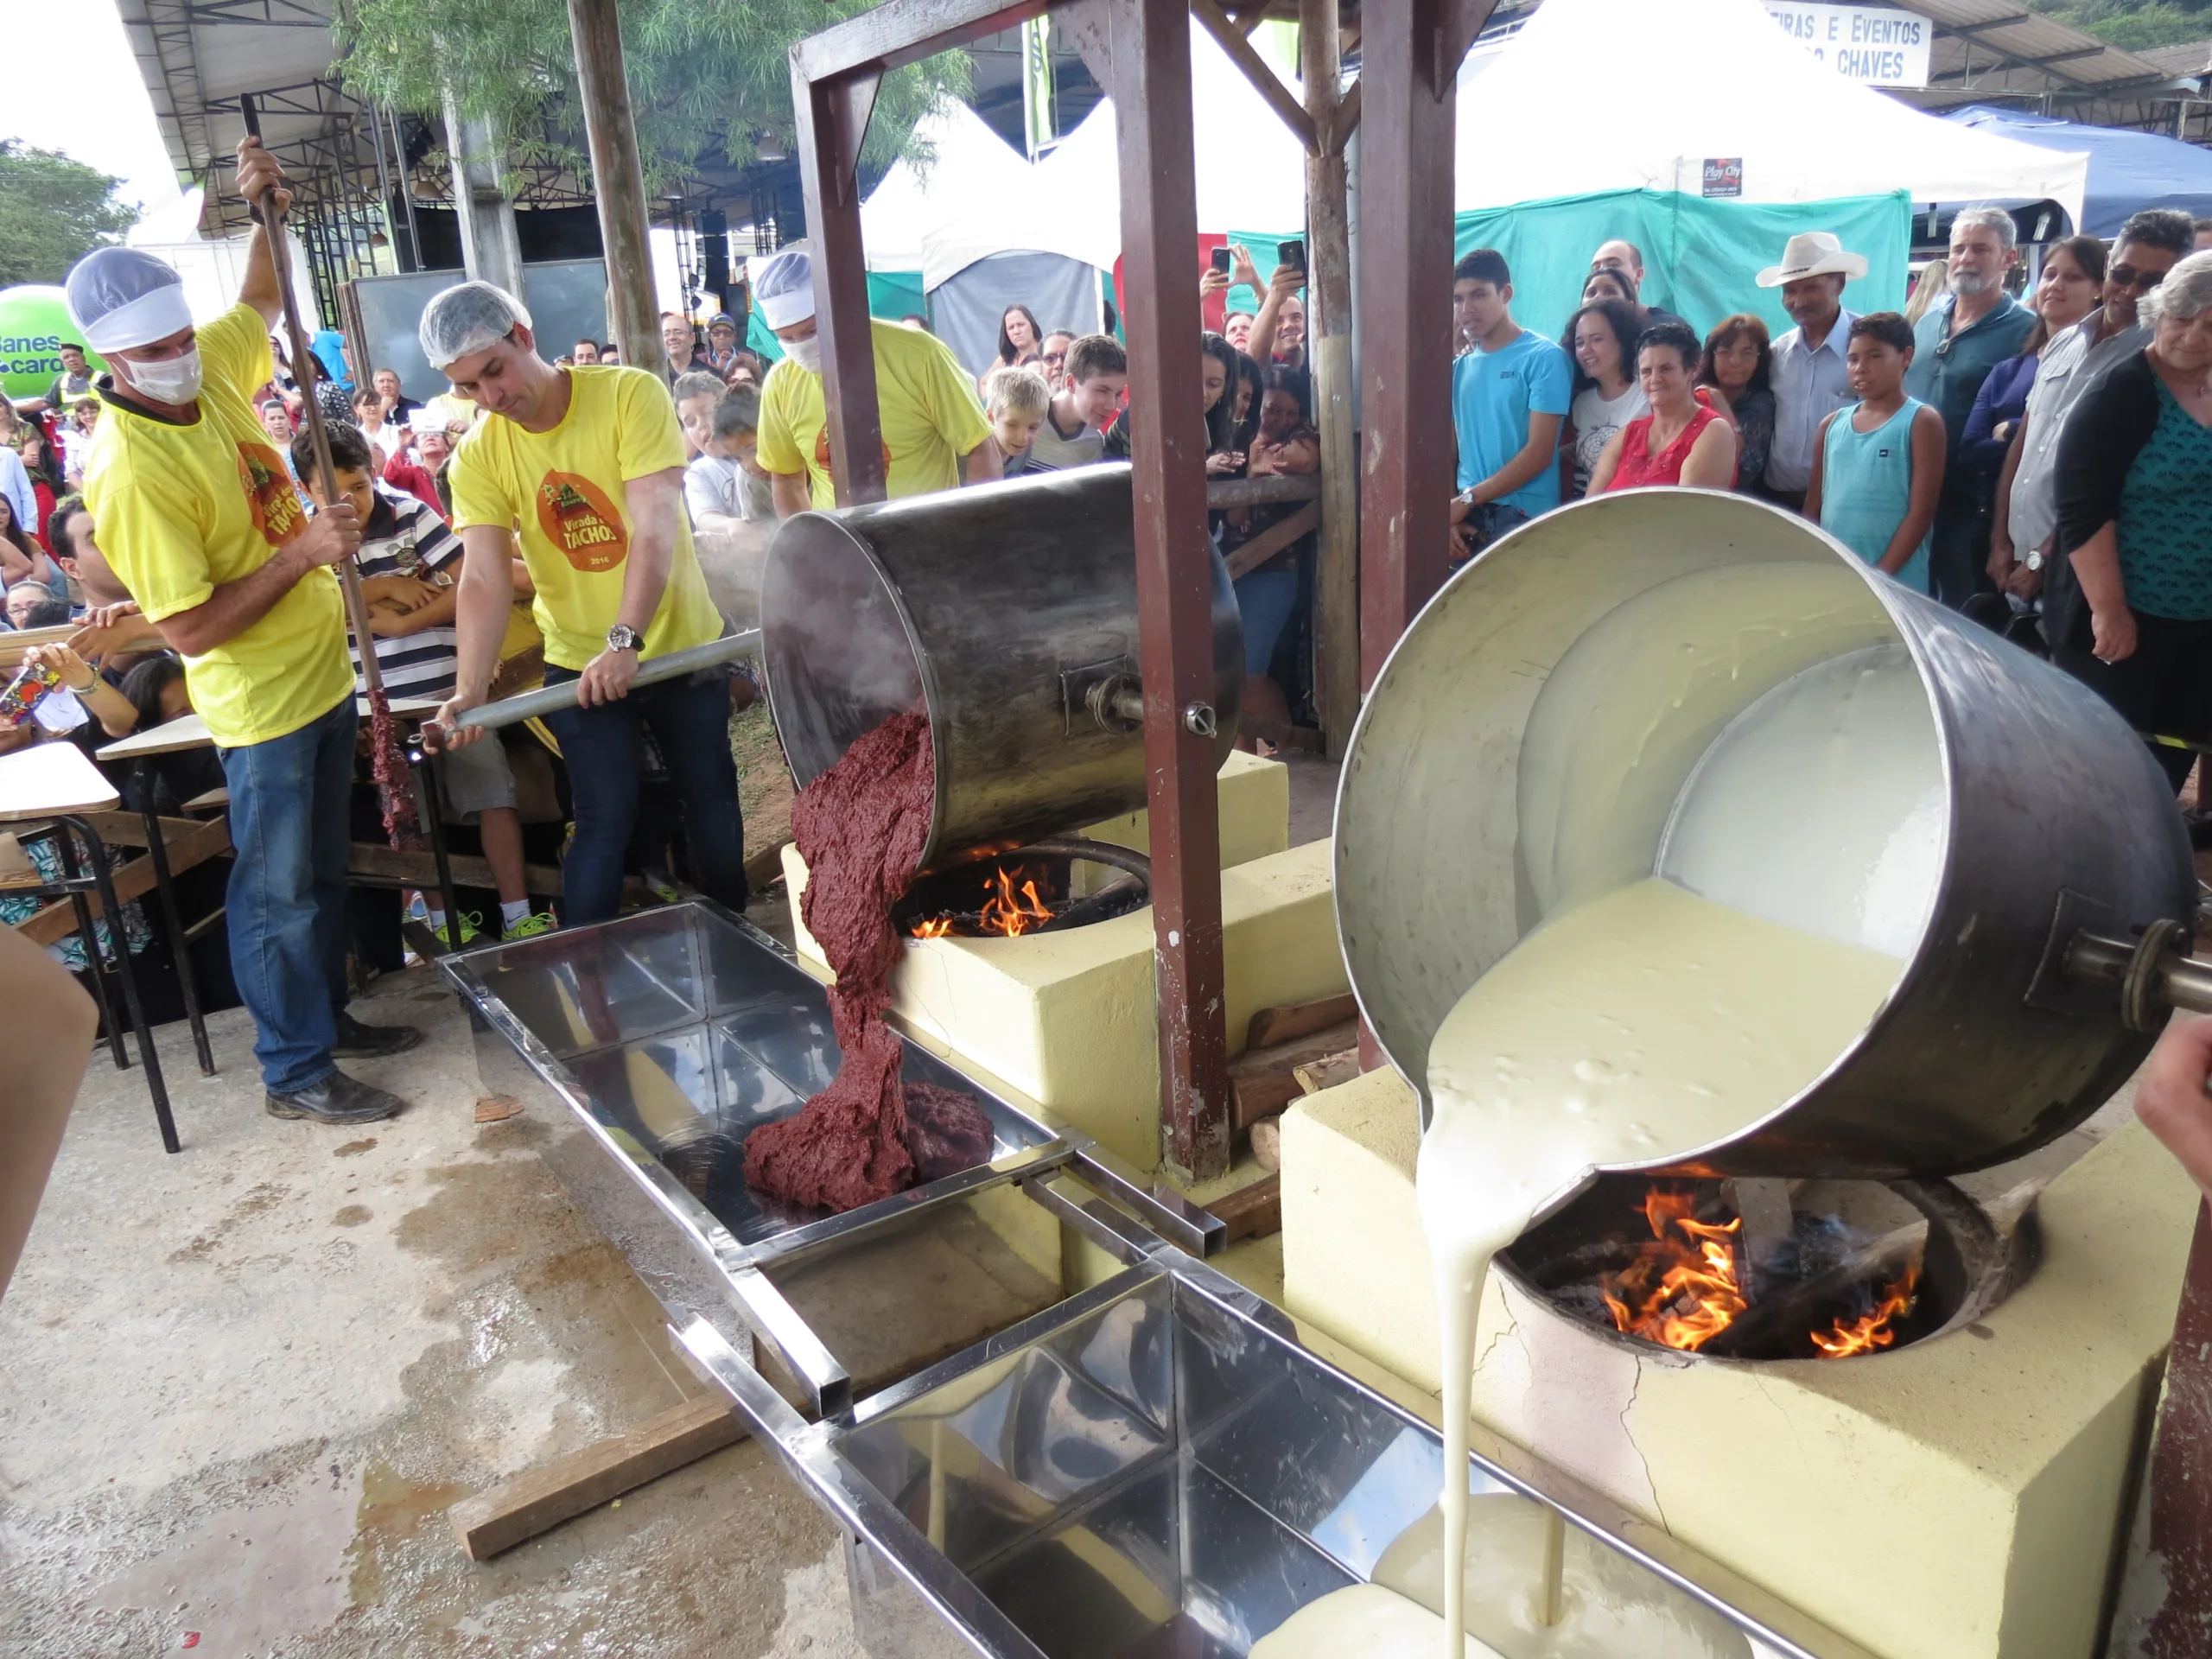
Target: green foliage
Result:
[[703, 73], [2135, 25], [53, 212]]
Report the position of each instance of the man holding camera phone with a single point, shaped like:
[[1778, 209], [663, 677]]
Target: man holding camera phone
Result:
[[1279, 332]]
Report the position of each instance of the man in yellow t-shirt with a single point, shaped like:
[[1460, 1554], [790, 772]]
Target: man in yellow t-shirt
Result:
[[199, 519], [934, 429], [587, 462]]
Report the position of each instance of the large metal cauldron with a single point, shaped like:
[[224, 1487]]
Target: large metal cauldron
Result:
[[1010, 611], [2048, 822]]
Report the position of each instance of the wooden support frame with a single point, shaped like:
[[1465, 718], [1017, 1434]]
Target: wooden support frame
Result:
[[1140, 51], [619, 181]]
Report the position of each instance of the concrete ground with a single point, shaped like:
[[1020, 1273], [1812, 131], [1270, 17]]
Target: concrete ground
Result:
[[239, 1386]]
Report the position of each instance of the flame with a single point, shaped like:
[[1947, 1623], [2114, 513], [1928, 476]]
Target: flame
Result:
[[1010, 912], [1864, 1336], [1680, 1290], [931, 927]]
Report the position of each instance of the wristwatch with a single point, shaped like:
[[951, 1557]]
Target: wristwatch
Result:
[[623, 637]]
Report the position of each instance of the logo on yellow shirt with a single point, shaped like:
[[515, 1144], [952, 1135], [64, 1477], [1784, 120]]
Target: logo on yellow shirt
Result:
[[578, 518], [270, 494]]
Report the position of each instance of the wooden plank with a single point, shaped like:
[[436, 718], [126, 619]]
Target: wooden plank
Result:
[[1261, 1082], [1254, 1211], [1328, 1072], [129, 829], [764, 868], [1265, 490], [377, 866], [524, 1505], [57, 921], [1288, 1020], [1279, 736], [214, 800], [1272, 540], [1259, 72], [1328, 355]]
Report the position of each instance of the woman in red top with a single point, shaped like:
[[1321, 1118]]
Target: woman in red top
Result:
[[1681, 440]]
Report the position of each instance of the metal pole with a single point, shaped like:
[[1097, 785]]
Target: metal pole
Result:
[[405, 175], [832, 118], [1405, 228], [1150, 85], [1328, 333], [618, 179]]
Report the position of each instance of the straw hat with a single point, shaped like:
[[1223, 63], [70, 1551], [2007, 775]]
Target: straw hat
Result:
[[1813, 253]]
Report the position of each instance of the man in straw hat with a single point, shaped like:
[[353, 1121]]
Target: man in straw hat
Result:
[[198, 515], [1808, 375]]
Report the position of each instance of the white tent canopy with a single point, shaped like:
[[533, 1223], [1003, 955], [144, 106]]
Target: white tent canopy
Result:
[[978, 198], [970, 167], [1692, 80]]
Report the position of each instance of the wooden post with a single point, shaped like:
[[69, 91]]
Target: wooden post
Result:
[[617, 181], [1328, 336], [1405, 231], [832, 119], [1140, 50]]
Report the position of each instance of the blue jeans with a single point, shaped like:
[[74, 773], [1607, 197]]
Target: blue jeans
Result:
[[603, 749], [1265, 599], [1488, 521], [287, 898]]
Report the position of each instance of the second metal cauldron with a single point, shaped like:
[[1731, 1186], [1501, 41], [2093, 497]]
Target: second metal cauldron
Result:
[[2052, 822], [1010, 612]]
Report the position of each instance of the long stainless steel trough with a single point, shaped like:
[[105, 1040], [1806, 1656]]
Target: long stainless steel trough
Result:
[[1153, 1466]]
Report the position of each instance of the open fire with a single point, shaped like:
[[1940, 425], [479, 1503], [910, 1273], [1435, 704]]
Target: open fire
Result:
[[1011, 906], [1690, 1282]]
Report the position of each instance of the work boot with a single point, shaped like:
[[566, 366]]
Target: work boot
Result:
[[358, 1042], [337, 1099]]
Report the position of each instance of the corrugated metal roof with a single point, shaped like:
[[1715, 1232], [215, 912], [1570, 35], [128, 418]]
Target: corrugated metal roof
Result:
[[1979, 35]]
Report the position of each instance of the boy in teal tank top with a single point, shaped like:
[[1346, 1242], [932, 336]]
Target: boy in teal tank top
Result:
[[1878, 469]]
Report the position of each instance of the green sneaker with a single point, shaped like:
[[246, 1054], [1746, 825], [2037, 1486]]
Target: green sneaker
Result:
[[662, 886], [468, 931], [529, 927]]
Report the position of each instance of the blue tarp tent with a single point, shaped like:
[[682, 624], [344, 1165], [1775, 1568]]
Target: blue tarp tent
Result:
[[2127, 170]]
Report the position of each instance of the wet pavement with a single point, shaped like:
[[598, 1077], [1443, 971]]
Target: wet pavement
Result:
[[239, 1388]]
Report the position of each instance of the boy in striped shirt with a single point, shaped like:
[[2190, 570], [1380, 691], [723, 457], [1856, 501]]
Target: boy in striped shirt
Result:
[[404, 558]]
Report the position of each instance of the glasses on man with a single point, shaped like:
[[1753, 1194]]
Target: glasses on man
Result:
[[1056, 359], [2142, 282]]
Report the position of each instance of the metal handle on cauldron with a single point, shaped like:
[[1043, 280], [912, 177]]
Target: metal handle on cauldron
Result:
[[550, 699], [2154, 973]]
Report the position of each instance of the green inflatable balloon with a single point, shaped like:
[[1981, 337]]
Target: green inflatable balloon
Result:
[[33, 321]]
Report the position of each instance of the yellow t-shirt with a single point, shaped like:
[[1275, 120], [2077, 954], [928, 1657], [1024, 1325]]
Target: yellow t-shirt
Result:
[[184, 508], [930, 414], [565, 488]]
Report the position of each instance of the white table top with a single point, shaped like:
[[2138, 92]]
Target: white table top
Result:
[[50, 778], [190, 732]]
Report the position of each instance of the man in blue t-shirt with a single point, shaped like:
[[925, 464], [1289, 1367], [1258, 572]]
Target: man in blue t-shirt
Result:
[[1509, 395]]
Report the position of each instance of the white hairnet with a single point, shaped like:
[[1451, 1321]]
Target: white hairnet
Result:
[[467, 317], [122, 297], [785, 288]]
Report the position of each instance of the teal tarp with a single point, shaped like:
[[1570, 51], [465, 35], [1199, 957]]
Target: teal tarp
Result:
[[1699, 255], [891, 294]]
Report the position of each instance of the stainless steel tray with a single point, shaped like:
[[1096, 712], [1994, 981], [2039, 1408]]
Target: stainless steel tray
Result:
[[672, 1034], [1155, 1466]]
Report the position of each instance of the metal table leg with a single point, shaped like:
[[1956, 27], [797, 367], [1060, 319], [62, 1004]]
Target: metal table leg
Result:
[[98, 973], [180, 947], [96, 854]]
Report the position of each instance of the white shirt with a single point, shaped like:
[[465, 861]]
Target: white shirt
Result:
[[716, 484], [15, 484], [1596, 418], [1810, 385], [2070, 365]]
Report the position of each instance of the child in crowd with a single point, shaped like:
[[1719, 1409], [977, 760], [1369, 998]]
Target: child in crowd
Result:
[[409, 560], [1878, 469], [1074, 429], [1510, 392], [1016, 400], [696, 394], [728, 484]]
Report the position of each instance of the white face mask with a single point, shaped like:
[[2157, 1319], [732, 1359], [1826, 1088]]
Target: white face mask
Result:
[[171, 380], [807, 353]]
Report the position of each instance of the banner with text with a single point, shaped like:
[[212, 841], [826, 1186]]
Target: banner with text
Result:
[[1878, 46]]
